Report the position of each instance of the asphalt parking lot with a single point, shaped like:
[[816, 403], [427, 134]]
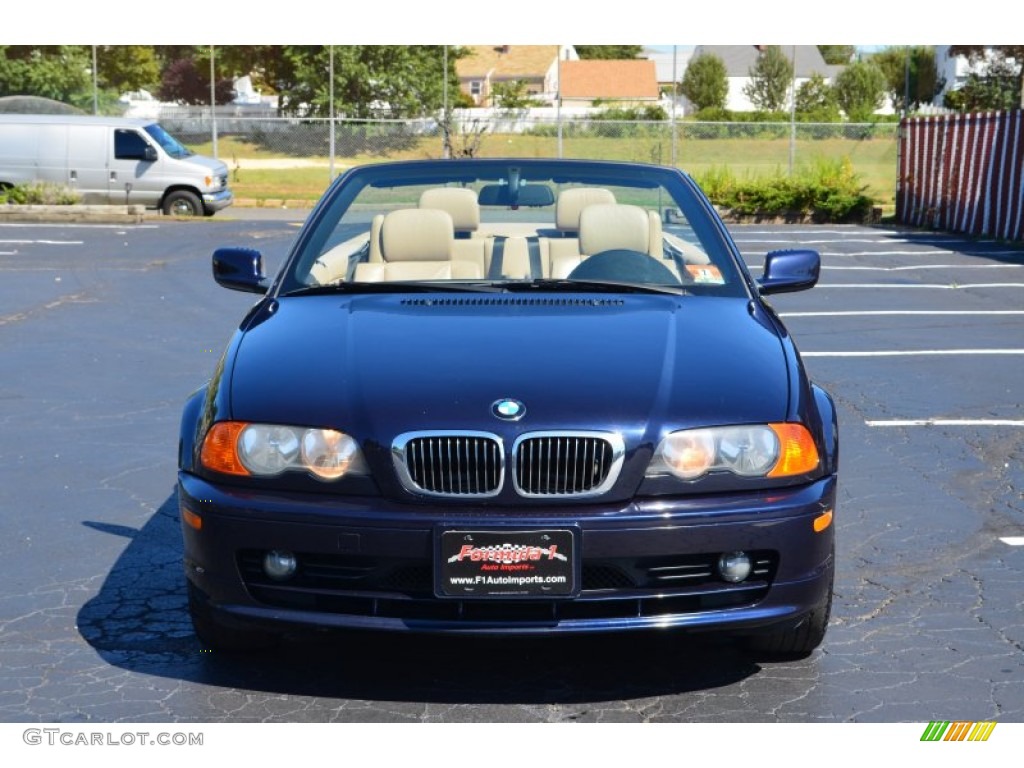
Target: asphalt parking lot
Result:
[[106, 329]]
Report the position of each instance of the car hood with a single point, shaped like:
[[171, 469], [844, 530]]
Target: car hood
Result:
[[380, 365]]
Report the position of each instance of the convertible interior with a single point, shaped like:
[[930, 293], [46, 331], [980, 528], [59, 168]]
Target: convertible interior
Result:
[[444, 238]]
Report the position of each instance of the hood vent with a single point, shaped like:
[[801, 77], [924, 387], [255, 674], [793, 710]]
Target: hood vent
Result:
[[511, 302]]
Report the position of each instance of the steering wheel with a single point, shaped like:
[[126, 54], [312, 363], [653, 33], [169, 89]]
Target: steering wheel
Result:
[[625, 266]]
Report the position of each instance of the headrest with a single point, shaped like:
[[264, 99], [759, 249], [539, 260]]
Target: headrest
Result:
[[416, 234], [459, 202], [614, 227], [572, 201]]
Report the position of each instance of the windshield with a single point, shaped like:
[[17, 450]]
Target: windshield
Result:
[[170, 145], [514, 225]]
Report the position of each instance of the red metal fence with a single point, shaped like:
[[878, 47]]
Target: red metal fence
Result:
[[963, 173]]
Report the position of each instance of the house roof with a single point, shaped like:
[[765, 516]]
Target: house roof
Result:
[[664, 62], [609, 79], [740, 59], [507, 61]]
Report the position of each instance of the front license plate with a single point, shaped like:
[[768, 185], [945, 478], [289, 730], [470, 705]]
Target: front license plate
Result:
[[502, 563]]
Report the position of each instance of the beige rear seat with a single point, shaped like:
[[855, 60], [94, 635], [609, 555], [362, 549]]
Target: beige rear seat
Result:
[[462, 205], [560, 255], [416, 244]]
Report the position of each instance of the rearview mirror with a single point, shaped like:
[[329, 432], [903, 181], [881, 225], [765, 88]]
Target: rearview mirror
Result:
[[524, 195]]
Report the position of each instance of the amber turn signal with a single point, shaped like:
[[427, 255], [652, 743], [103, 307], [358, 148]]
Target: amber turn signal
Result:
[[823, 521], [220, 448], [797, 452]]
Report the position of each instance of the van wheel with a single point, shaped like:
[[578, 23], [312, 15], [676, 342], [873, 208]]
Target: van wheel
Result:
[[182, 203]]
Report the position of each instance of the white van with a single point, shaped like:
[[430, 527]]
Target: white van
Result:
[[113, 161]]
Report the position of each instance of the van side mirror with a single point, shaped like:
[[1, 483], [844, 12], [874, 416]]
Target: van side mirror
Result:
[[240, 269], [149, 155], [790, 270]]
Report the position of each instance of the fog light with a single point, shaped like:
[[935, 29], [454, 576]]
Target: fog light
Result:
[[279, 565], [734, 567]]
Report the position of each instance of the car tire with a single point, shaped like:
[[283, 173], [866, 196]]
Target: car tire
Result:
[[217, 636], [800, 641], [181, 202]]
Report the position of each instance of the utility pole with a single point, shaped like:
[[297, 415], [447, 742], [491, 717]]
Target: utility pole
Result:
[[95, 85], [330, 109], [213, 102]]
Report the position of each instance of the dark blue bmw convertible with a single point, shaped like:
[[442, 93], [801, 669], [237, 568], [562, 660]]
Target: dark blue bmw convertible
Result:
[[511, 397]]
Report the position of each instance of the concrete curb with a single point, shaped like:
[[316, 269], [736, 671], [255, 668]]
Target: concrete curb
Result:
[[73, 214]]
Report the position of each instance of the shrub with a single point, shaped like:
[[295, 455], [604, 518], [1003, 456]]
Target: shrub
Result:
[[828, 190], [38, 193]]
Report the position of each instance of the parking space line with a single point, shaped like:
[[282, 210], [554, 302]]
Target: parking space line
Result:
[[910, 312], [919, 252], [946, 423], [42, 242], [915, 353], [914, 267], [941, 286], [1013, 541]]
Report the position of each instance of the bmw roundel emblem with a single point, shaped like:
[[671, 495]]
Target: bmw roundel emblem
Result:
[[508, 409]]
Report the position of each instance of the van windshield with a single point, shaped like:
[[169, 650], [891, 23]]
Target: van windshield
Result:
[[170, 145]]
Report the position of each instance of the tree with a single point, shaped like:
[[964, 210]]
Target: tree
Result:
[[998, 79], [396, 81], [816, 101], [919, 63], [186, 81], [608, 51], [860, 90], [837, 54], [705, 82], [127, 67], [511, 95], [770, 79], [59, 72]]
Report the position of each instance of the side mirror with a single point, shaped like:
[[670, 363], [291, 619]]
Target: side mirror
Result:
[[790, 270], [240, 269], [149, 155]]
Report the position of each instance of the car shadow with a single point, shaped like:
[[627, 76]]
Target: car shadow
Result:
[[139, 622]]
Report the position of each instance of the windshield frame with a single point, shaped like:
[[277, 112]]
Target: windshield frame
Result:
[[685, 196]]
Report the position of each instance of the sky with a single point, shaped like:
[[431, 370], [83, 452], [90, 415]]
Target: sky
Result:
[[774, 22]]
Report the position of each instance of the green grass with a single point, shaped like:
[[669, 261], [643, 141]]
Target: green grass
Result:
[[873, 160]]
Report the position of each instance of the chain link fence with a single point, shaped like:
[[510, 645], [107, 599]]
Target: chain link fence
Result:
[[742, 148]]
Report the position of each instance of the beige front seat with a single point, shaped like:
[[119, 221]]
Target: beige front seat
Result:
[[619, 227], [462, 205], [416, 244]]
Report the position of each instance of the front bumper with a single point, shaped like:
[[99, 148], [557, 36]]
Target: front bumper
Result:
[[368, 562], [216, 201]]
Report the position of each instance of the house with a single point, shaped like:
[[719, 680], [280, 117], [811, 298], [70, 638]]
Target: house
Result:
[[622, 83], [740, 60], [536, 66], [669, 65]]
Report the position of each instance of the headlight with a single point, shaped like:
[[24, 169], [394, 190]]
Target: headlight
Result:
[[756, 450], [265, 450]]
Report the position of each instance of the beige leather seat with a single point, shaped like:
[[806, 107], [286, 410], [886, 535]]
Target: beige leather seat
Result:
[[611, 227], [560, 255], [416, 244], [462, 205]]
